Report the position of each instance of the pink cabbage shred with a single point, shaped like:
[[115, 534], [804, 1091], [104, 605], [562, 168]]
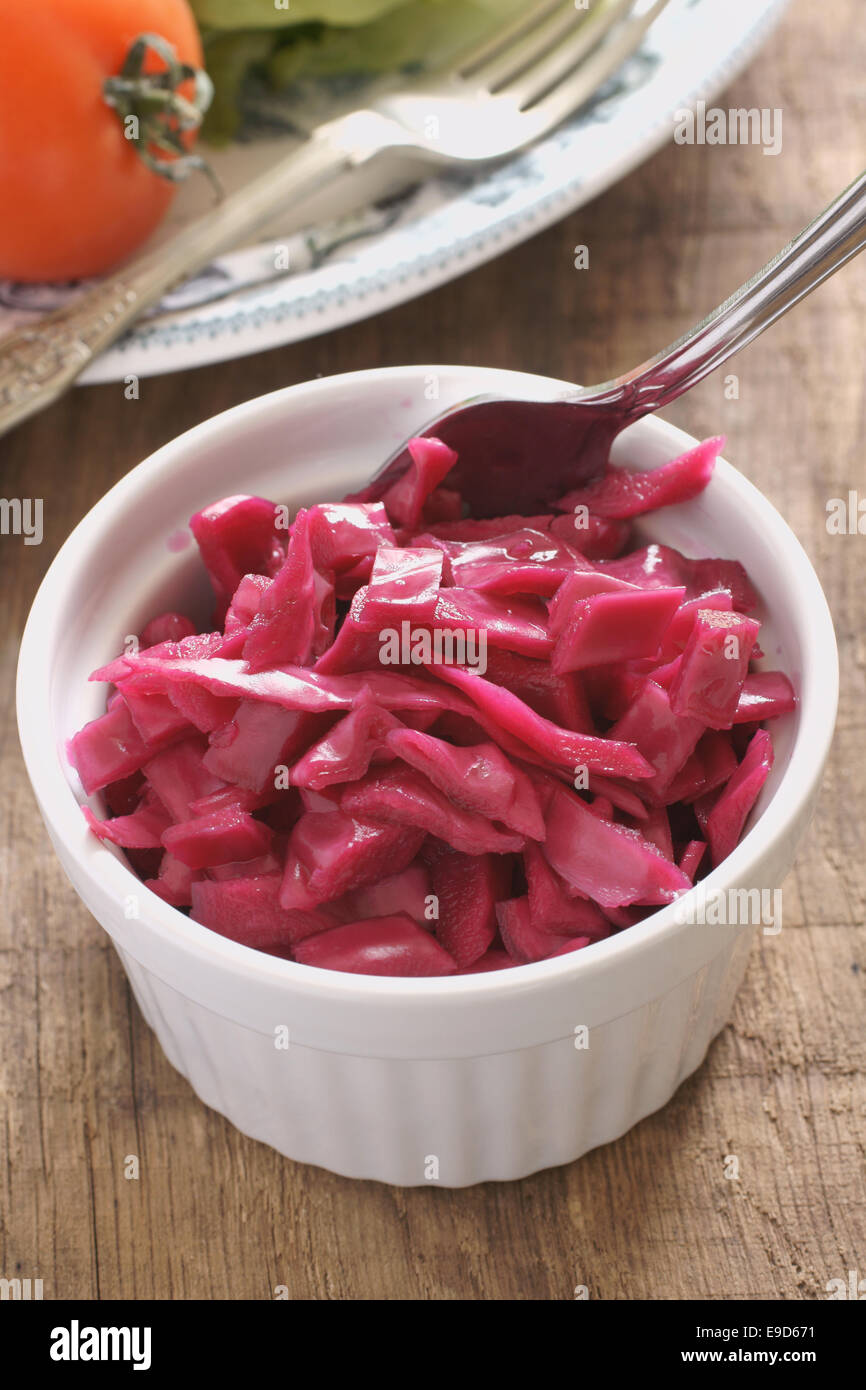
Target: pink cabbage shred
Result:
[[313, 777]]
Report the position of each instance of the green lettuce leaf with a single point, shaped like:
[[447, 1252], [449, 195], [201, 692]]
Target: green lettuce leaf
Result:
[[328, 39], [264, 14], [420, 32]]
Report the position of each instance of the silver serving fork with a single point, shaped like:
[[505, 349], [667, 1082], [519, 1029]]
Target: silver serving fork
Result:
[[523, 454]]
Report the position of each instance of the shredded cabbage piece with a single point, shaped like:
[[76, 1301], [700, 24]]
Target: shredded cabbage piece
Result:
[[420, 742]]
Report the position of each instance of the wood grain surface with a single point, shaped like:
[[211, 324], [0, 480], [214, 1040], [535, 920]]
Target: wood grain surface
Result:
[[215, 1215]]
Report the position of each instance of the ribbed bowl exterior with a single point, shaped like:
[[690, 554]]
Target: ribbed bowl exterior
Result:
[[448, 1121]]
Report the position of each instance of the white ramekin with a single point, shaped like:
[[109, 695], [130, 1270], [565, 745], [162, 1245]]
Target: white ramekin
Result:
[[452, 1081]]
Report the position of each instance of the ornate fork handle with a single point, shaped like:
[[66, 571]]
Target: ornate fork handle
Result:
[[38, 362]]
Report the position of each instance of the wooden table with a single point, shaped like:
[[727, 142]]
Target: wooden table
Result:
[[215, 1215]]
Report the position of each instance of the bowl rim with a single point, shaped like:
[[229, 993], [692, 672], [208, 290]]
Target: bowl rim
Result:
[[110, 875]]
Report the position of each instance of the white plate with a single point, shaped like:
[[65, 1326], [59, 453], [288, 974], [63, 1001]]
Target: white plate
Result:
[[349, 268]]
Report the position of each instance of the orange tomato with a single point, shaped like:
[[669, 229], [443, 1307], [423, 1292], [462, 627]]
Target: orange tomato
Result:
[[75, 198]]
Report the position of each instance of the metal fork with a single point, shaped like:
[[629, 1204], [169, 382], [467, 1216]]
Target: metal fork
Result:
[[520, 455], [488, 104]]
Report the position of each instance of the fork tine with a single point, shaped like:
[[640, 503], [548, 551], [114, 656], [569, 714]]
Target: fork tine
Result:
[[557, 86], [487, 49], [565, 29]]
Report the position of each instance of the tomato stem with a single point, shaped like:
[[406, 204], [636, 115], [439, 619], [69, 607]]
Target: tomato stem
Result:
[[155, 114]]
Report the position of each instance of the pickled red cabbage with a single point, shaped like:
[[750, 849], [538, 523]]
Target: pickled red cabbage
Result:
[[559, 735]]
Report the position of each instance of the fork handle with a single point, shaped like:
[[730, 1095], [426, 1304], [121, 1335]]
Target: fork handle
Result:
[[820, 249], [38, 363]]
